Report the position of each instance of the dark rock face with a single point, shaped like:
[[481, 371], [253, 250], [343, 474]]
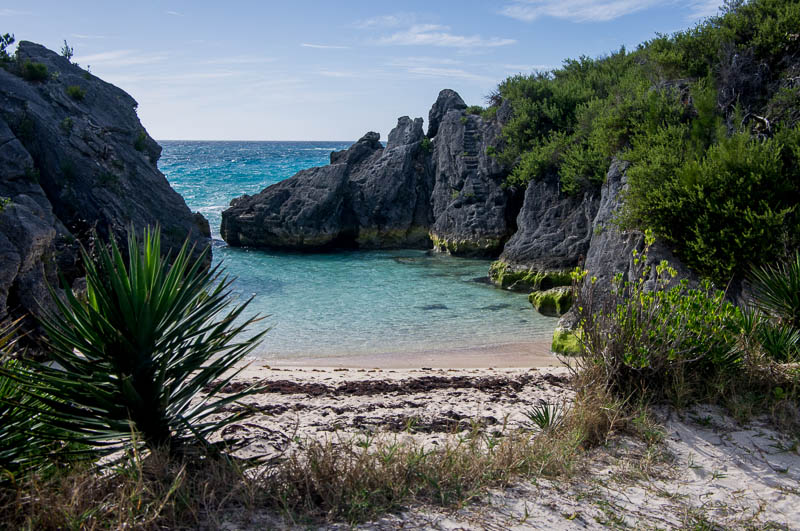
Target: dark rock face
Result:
[[611, 250], [448, 100], [70, 162], [368, 197], [405, 195], [469, 204], [554, 229]]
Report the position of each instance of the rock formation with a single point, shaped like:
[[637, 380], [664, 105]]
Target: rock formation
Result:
[[73, 157], [416, 192]]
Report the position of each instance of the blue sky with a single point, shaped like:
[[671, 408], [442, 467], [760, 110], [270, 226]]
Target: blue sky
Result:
[[326, 70]]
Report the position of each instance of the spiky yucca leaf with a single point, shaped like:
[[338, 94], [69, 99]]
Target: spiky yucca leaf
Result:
[[152, 333], [27, 443], [777, 290]]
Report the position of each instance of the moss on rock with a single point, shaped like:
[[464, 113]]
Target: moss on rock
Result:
[[507, 277], [566, 342], [553, 302], [479, 247]]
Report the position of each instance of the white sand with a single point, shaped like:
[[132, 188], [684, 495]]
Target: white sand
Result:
[[708, 469]]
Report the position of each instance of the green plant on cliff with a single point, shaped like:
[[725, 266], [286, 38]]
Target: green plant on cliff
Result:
[[704, 116], [132, 357], [34, 71], [76, 92], [6, 40]]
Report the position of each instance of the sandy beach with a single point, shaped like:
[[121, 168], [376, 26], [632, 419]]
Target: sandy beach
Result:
[[525, 354], [707, 469]]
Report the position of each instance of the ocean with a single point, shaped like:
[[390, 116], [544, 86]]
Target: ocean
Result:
[[352, 303]]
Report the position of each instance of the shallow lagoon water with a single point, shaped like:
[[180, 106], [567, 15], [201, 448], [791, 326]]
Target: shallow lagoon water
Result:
[[351, 302]]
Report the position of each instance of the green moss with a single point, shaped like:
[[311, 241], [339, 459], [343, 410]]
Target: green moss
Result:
[[479, 247], [506, 277], [140, 144], [553, 302], [566, 342], [66, 124]]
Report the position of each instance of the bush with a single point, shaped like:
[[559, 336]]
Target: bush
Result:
[[734, 206], [132, 357], [671, 341], [34, 71], [76, 92]]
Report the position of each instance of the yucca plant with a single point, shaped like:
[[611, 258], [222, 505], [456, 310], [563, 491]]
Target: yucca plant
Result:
[[545, 416], [26, 442], [132, 358], [776, 290]]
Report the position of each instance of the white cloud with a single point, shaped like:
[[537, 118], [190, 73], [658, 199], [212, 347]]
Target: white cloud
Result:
[[387, 21], [174, 13], [423, 61], [448, 73], [437, 35], [575, 10], [120, 58], [324, 46], [527, 68], [14, 13], [704, 8], [86, 37], [339, 74]]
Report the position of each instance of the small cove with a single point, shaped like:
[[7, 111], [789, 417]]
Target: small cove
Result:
[[352, 303]]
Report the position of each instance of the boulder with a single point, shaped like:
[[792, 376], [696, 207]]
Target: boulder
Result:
[[368, 197], [554, 231]]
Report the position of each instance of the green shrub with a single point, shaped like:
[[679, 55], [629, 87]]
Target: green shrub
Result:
[[776, 290], [152, 333], [66, 124], [477, 110], [734, 206], [426, 144], [27, 442], [34, 71], [669, 341], [140, 143], [76, 92]]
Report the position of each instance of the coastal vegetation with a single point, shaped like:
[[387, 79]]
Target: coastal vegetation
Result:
[[124, 425], [706, 117]]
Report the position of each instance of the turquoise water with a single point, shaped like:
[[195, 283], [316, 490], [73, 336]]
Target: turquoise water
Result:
[[353, 302]]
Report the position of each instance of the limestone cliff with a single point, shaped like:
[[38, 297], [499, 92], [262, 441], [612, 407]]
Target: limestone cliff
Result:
[[441, 190], [73, 157]]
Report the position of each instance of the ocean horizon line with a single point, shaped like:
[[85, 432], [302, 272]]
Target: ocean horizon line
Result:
[[207, 140]]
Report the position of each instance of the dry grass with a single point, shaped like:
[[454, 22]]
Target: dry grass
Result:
[[356, 479], [340, 479], [151, 492]]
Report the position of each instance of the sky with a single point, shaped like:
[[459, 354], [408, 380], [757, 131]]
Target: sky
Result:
[[327, 70]]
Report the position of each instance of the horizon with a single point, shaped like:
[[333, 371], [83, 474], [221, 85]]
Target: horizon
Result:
[[312, 70]]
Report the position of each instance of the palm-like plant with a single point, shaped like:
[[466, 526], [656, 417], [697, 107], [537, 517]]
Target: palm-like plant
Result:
[[776, 290], [132, 357]]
